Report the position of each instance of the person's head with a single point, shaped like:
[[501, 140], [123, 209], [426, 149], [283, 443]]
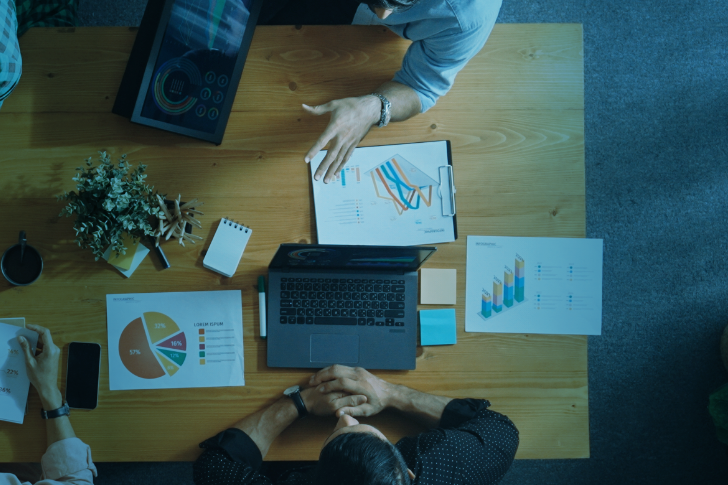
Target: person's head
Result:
[[384, 8], [359, 454]]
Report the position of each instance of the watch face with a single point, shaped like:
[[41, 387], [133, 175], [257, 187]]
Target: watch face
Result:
[[291, 390]]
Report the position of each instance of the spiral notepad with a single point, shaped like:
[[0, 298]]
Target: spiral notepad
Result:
[[227, 246]]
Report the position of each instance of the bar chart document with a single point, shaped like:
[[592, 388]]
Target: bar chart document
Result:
[[533, 285], [175, 340], [387, 195]]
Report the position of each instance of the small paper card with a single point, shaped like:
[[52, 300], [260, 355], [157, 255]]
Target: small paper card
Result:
[[123, 261], [437, 327], [139, 255], [18, 322], [438, 286]]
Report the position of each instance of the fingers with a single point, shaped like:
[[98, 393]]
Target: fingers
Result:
[[342, 384], [355, 411], [349, 402], [45, 334], [332, 160], [349, 152], [330, 373], [325, 137], [29, 357]]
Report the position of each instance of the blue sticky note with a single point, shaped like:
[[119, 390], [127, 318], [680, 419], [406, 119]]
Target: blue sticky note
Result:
[[437, 327]]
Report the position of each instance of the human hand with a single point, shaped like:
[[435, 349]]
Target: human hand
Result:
[[43, 369], [351, 119], [326, 404], [355, 381]]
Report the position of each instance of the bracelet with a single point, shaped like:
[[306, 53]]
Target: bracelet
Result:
[[385, 115]]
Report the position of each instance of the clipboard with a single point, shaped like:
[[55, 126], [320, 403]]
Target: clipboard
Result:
[[393, 195]]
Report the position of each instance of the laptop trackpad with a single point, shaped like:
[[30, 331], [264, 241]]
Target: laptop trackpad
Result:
[[333, 348]]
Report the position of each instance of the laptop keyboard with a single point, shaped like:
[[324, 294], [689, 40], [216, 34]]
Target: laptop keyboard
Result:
[[345, 301]]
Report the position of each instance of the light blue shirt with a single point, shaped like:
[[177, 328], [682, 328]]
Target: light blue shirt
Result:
[[11, 64], [445, 35]]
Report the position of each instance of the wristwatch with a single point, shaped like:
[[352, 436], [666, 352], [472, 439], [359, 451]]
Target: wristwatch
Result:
[[56, 413], [386, 114], [295, 394]]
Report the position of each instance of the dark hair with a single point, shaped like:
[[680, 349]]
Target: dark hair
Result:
[[394, 5], [360, 459]]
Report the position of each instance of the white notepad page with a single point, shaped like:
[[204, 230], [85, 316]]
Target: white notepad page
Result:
[[226, 249], [14, 382]]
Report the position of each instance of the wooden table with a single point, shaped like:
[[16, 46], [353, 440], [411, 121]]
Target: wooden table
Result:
[[515, 118]]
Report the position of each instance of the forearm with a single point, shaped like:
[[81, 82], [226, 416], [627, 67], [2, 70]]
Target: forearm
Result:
[[265, 425], [404, 99], [427, 408], [57, 429]]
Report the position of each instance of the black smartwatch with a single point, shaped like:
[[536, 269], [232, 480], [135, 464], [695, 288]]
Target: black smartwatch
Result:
[[295, 394], [56, 413]]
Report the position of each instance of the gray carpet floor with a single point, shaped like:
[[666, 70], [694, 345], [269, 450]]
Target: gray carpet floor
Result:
[[656, 125]]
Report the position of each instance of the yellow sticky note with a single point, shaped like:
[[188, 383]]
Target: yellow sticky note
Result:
[[438, 286], [124, 261]]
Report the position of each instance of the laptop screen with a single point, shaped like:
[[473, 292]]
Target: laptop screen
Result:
[[400, 258]]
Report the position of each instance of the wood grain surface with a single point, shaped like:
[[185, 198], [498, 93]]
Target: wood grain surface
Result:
[[515, 119]]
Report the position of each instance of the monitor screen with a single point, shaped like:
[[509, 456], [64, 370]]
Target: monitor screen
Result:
[[196, 67], [404, 258]]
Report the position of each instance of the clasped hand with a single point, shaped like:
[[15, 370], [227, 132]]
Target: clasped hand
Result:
[[366, 394]]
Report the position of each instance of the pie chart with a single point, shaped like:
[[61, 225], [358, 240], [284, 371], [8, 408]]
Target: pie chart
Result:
[[152, 346]]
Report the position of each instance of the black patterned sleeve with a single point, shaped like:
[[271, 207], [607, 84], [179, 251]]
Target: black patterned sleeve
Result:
[[473, 445], [230, 458]]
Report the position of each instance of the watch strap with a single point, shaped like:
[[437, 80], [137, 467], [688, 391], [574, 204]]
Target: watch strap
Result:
[[56, 413], [298, 402]]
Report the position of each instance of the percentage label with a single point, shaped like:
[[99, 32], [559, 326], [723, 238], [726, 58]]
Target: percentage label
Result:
[[176, 343], [170, 367], [5, 390], [174, 356], [135, 352], [159, 325], [12, 372], [14, 351]]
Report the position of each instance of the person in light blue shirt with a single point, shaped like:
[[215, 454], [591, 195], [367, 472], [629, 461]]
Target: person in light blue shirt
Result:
[[445, 35]]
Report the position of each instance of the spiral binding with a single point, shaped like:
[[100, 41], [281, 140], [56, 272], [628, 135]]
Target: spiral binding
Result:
[[235, 225]]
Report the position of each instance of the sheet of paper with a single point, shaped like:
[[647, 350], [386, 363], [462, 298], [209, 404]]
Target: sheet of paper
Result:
[[438, 286], [437, 327], [14, 383], [123, 261], [175, 340], [18, 322], [139, 255], [386, 195], [533, 285]]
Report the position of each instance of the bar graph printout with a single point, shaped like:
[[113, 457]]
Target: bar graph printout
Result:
[[385, 195], [175, 340], [533, 285]]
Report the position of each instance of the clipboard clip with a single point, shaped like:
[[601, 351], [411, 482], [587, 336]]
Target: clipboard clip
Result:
[[447, 191]]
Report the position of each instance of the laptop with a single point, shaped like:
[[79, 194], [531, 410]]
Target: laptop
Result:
[[351, 305]]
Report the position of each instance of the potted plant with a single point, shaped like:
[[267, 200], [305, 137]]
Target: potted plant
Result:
[[109, 201]]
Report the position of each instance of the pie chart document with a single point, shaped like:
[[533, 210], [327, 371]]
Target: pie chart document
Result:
[[175, 340]]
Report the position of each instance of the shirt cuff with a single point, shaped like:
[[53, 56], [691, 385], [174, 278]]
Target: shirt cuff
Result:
[[65, 458], [459, 411], [237, 445]]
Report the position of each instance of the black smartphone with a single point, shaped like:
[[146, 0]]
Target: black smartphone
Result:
[[82, 375]]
